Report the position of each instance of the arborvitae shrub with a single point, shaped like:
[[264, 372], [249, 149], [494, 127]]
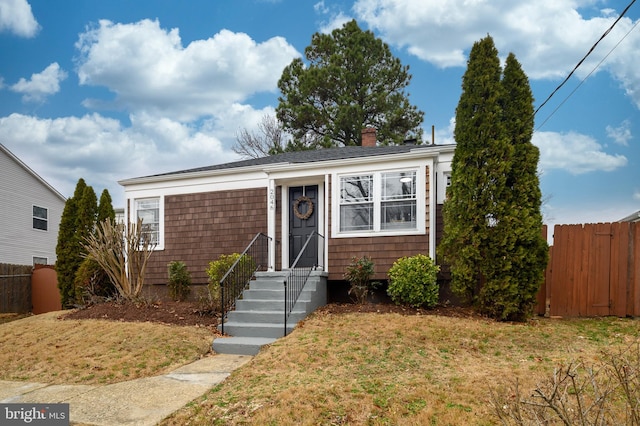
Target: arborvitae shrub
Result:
[[179, 281], [413, 281]]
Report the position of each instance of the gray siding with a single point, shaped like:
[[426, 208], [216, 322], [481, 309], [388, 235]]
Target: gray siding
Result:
[[20, 190]]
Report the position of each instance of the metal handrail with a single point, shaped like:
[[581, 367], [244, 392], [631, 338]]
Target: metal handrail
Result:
[[298, 276], [254, 258]]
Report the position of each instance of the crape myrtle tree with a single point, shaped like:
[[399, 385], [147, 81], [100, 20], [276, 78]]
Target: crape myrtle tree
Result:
[[492, 223], [351, 81], [91, 281]]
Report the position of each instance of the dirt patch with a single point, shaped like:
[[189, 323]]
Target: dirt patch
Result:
[[165, 312]]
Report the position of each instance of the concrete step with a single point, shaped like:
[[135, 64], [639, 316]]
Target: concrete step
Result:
[[244, 329], [263, 294], [241, 345], [271, 305], [259, 315], [264, 316]]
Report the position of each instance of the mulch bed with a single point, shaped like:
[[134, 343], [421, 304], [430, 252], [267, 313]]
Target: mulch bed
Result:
[[189, 313], [165, 312]]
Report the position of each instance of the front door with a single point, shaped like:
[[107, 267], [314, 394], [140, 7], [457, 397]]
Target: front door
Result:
[[303, 220]]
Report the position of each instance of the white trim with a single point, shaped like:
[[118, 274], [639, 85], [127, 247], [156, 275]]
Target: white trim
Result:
[[320, 199], [420, 229], [432, 211], [133, 217], [271, 223], [39, 218]]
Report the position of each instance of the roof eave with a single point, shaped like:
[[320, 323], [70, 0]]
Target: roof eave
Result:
[[32, 172]]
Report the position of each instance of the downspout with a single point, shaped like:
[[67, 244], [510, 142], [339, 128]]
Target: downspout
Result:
[[432, 210]]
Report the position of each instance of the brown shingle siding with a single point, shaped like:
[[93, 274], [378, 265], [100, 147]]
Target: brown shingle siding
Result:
[[201, 227], [383, 250]]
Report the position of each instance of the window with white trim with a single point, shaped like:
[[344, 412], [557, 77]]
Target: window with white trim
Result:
[[398, 201], [40, 218], [148, 209], [378, 202]]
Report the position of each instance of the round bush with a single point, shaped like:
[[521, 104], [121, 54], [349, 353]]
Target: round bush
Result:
[[413, 281]]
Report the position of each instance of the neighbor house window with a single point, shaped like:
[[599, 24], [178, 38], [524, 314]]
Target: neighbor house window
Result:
[[40, 260], [381, 201], [148, 210], [40, 218]]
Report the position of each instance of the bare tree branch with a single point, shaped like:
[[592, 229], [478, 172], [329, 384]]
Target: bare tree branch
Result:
[[268, 140]]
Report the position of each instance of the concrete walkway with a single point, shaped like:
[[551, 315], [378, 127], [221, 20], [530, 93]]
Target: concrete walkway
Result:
[[138, 402]]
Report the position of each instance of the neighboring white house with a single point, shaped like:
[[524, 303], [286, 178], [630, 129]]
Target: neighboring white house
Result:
[[633, 217], [30, 212]]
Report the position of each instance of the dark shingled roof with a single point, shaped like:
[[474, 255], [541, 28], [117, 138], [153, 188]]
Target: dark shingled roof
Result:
[[312, 156]]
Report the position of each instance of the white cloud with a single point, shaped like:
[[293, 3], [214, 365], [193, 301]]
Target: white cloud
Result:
[[575, 153], [621, 134], [16, 17], [41, 85], [636, 195], [151, 72], [548, 37], [100, 150]]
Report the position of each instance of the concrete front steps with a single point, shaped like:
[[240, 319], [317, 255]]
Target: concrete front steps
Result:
[[258, 319]]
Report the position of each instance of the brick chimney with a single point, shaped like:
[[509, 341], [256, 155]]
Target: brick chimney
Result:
[[369, 136]]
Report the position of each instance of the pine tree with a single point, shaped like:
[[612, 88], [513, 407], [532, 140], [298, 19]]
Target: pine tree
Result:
[[352, 81]]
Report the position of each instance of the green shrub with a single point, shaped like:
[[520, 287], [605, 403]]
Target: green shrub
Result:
[[92, 284], [358, 273], [413, 281], [217, 268], [179, 281]]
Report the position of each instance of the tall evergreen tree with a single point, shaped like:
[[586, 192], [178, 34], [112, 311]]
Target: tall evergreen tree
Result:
[[492, 221], [528, 250], [352, 81], [86, 215], [68, 248], [105, 208]]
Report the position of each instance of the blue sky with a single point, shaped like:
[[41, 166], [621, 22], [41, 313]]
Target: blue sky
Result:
[[114, 89]]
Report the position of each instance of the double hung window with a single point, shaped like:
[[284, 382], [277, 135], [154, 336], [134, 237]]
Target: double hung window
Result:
[[378, 202], [148, 210], [40, 218]]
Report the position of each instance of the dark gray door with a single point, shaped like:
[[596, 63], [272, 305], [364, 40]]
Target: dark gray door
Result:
[[303, 220]]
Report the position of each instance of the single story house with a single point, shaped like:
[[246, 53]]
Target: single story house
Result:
[[380, 201]]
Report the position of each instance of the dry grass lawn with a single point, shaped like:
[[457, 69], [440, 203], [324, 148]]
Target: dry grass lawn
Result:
[[334, 369], [390, 369], [46, 349]]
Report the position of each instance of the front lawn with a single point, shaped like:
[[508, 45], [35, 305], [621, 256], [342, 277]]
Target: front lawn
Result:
[[394, 369]]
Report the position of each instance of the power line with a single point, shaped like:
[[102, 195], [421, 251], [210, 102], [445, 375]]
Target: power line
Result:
[[587, 76], [585, 57]]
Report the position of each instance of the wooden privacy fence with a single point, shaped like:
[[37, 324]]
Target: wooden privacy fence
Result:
[[25, 288], [593, 270], [15, 288]]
